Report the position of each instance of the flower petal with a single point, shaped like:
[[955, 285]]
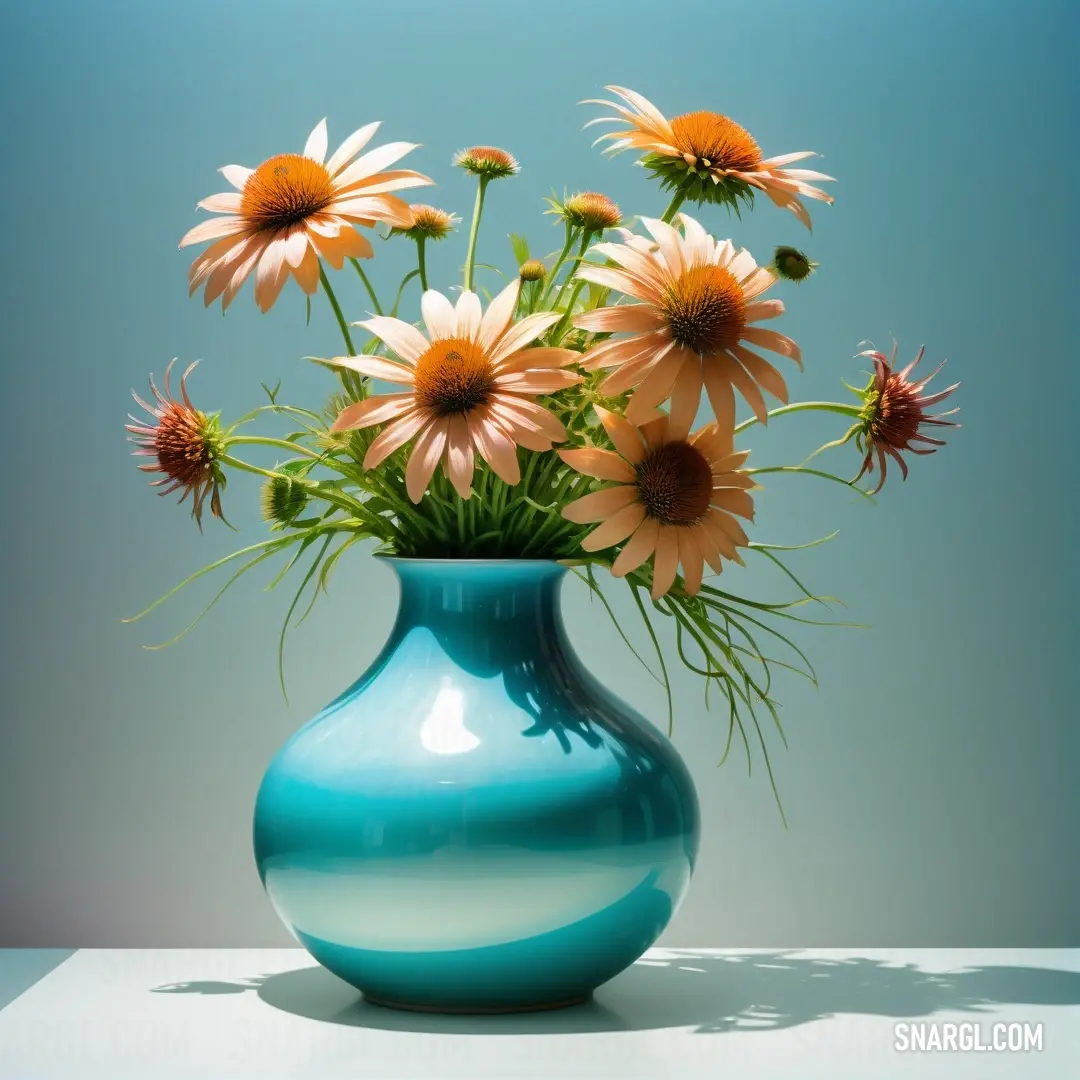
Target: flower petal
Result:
[[401, 336], [237, 175], [396, 435], [376, 367], [350, 148], [602, 464], [496, 320], [228, 202], [600, 505], [520, 334], [527, 414], [372, 162], [468, 315], [270, 274], [762, 372], [763, 309], [620, 280], [773, 341], [538, 359], [460, 461], [439, 317], [307, 273], [373, 410], [691, 558], [670, 243], [721, 397], [495, 445], [426, 452], [710, 552], [627, 318], [657, 385], [623, 434], [685, 399], [537, 382], [637, 549], [616, 528], [734, 501], [315, 147], [214, 228], [666, 561]]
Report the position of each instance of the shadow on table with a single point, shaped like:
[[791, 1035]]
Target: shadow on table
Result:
[[707, 992]]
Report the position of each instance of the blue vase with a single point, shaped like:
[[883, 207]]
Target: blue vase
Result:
[[476, 824]]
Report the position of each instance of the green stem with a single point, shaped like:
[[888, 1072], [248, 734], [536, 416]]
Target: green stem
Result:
[[559, 330], [474, 230], [337, 310], [571, 232], [673, 206], [420, 240], [282, 444], [367, 285], [317, 490], [803, 406]]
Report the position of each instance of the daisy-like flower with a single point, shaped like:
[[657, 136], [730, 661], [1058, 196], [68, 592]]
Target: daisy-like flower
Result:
[[675, 497], [295, 209], [707, 156], [588, 210], [428, 223], [487, 162], [473, 385], [699, 300], [894, 411], [185, 444]]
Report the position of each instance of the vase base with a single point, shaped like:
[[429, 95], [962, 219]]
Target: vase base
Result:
[[476, 1010]]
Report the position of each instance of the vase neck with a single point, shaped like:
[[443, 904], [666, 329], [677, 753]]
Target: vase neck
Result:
[[488, 596]]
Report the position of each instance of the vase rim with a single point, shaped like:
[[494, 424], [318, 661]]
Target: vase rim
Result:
[[470, 562]]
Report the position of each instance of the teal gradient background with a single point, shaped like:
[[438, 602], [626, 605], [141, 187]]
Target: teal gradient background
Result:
[[931, 782]]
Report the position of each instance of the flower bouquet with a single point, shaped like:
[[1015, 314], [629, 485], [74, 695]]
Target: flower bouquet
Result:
[[550, 419]]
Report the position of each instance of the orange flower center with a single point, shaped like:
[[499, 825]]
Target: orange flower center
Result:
[[675, 484], [284, 190], [453, 377], [705, 309], [716, 141], [182, 450]]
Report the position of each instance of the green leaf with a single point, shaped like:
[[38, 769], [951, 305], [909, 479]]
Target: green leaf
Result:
[[520, 247]]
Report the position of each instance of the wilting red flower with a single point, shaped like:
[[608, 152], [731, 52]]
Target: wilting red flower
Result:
[[185, 444], [893, 413]]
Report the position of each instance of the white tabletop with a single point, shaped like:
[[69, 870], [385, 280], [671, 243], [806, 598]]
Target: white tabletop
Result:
[[188, 1014]]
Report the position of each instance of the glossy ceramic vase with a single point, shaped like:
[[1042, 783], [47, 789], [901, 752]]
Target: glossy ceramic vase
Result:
[[476, 824]]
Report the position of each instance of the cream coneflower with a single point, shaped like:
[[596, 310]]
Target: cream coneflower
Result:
[[675, 497], [707, 156], [487, 162], [894, 412], [295, 209], [185, 444], [699, 301], [428, 223], [588, 210], [474, 384]]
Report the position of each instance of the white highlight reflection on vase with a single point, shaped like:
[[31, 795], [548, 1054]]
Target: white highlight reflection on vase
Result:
[[444, 731]]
